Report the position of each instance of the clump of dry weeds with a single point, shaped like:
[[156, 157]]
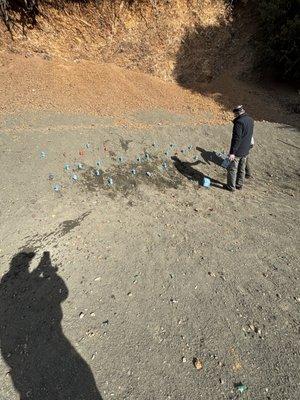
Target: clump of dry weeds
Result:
[[147, 35]]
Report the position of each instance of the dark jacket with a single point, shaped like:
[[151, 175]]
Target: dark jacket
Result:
[[241, 135]]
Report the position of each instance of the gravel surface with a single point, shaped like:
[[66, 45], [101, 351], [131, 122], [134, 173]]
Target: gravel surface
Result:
[[151, 287]]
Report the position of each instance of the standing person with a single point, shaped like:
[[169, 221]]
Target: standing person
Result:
[[239, 149]]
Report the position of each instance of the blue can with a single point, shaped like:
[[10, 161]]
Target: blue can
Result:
[[206, 182]]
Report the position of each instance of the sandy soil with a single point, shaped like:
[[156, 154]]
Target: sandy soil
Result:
[[102, 89], [132, 281]]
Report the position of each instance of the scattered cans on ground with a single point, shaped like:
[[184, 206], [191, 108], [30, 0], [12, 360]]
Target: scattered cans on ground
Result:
[[241, 387], [120, 159], [57, 187], [110, 181]]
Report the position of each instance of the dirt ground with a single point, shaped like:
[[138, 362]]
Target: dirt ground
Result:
[[34, 84], [134, 278]]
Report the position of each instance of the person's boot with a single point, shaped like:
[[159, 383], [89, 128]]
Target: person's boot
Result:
[[229, 188]]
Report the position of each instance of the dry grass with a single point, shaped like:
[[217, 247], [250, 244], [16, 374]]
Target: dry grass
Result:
[[147, 35]]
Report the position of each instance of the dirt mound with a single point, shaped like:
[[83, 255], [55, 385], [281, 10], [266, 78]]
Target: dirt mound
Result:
[[105, 89], [72, 53]]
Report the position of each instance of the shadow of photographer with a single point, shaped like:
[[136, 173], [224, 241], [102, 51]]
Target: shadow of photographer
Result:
[[43, 363]]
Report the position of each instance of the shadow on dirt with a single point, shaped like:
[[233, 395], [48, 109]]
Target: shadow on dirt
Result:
[[210, 156], [187, 170], [43, 364], [198, 60], [220, 61], [39, 241]]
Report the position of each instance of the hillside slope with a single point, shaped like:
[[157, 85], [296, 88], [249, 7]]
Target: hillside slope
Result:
[[95, 88], [146, 35], [205, 47]]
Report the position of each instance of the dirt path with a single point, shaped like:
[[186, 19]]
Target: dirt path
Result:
[[152, 271]]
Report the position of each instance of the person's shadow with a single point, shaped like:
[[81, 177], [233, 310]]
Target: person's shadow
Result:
[[43, 363], [210, 156], [187, 170]]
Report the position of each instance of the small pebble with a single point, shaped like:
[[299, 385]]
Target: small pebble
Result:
[[197, 363]]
